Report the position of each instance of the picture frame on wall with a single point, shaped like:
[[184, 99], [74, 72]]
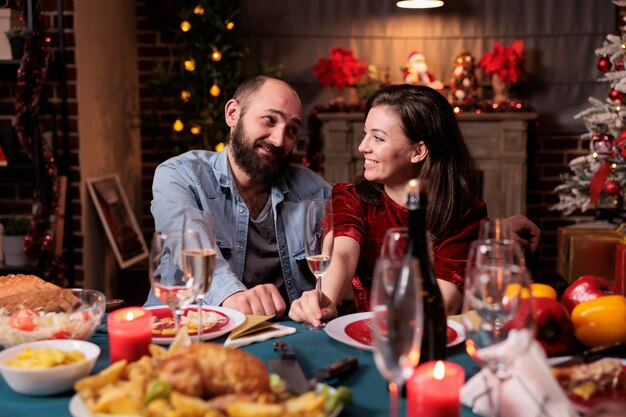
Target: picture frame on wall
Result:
[[118, 220]]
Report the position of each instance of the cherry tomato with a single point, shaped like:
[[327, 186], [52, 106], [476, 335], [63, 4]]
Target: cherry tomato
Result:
[[23, 320], [61, 334]]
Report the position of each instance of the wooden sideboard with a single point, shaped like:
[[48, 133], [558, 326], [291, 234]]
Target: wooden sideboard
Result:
[[497, 141]]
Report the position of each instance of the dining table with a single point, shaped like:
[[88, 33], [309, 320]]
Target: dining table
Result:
[[314, 349]]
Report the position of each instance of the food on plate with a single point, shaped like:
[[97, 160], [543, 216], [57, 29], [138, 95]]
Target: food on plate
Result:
[[165, 326], [202, 379], [45, 358], [206, 370], [49, 313], [586, 380]]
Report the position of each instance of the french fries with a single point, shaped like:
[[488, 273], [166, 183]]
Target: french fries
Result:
[[133, 389]]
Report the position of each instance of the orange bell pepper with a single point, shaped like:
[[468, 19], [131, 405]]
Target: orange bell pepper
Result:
[[536, 290], [601, 321]]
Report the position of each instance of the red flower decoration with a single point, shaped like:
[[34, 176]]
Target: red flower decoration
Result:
[[341, 70], [505, 61]]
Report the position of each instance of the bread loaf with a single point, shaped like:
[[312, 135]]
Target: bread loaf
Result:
[[18, 291]]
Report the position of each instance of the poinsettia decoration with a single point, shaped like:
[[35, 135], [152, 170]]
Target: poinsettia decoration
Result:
[[505, 61], [341, 70]]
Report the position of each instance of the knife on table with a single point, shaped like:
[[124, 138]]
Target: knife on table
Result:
[[288, 368]]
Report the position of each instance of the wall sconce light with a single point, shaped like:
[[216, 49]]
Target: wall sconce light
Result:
[[419, 4]]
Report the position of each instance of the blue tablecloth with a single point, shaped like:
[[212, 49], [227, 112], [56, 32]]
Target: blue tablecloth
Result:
[[314, 350]]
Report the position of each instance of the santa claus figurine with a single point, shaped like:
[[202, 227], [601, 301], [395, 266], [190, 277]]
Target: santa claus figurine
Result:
[[416, 72]]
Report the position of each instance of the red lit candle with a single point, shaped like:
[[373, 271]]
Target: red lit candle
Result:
[[130, 333], [434, 390]]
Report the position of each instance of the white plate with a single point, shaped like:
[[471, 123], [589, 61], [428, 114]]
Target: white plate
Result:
[[235, 318], [79, 409], [460, 333], [336, 329], [580, 406]]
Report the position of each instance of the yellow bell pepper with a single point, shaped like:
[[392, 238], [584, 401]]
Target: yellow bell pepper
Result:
[[537, 291], [601, 321]]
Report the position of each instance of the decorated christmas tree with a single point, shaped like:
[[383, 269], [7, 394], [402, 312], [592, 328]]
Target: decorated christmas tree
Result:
[[597, 180], [204, 71]]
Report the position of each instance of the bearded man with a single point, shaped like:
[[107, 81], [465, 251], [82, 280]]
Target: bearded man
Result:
[[256, 199]]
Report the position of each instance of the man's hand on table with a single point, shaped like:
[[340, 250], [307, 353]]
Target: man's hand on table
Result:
[[307, 308], [263, 299]]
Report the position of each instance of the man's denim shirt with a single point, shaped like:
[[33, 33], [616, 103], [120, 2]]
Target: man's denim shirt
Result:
[[203, 180]]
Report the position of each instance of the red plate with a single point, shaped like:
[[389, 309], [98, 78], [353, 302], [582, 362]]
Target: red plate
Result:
[[617, 393], [361, 331]]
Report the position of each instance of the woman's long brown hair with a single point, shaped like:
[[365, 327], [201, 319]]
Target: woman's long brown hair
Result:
[[449, 168]]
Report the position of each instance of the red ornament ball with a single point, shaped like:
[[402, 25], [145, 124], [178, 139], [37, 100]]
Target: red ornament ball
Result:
[[615, 95], [619, 64], [612, 187], [604, 64]]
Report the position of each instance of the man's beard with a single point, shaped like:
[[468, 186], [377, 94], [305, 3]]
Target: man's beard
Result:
[[262, 169]]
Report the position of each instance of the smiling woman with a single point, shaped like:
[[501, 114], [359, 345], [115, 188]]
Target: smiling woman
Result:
[[410, 132]]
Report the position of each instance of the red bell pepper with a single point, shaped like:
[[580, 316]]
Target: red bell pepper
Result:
[[585, 288], [555, 331]]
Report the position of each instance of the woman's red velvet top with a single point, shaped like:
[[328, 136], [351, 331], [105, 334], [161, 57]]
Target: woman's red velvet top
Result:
[[366, 223]]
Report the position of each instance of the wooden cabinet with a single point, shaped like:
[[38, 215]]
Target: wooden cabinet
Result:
[[497, 140]]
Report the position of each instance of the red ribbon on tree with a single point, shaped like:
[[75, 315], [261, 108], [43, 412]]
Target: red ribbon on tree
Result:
[[597, 182]]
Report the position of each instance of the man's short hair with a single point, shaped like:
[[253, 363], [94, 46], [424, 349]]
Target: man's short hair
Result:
[[249, 87]]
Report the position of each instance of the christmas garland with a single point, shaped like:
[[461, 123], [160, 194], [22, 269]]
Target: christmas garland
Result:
[[31, 75]]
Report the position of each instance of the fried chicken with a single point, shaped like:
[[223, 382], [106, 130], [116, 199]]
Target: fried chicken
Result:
[[208, 370]]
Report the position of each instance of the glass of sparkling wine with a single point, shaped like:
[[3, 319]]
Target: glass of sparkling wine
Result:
[[318, 243], [167, 282], [199, 249]]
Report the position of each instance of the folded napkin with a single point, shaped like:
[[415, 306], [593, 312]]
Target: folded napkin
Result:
[[256, 329], [531, 390]]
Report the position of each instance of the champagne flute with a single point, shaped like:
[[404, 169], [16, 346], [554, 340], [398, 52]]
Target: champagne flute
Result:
[[398, 317], [497, 310], [167, 283], [199, 249], [318, 244]]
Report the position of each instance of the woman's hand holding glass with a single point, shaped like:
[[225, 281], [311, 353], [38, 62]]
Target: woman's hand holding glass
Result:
[[318, 244]]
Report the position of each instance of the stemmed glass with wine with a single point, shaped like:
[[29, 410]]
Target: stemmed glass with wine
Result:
[[318, 244], [166, 279], [199, 249]]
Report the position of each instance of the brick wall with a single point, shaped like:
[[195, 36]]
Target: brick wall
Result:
[[16, 188], [549, 152]]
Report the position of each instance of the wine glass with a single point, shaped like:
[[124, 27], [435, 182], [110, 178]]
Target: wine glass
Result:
[[397, 322], [199, 249], [318, 244], [167, 282], [497, 310]]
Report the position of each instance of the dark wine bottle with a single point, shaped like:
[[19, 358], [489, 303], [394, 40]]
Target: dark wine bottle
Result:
[[435, 326]]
